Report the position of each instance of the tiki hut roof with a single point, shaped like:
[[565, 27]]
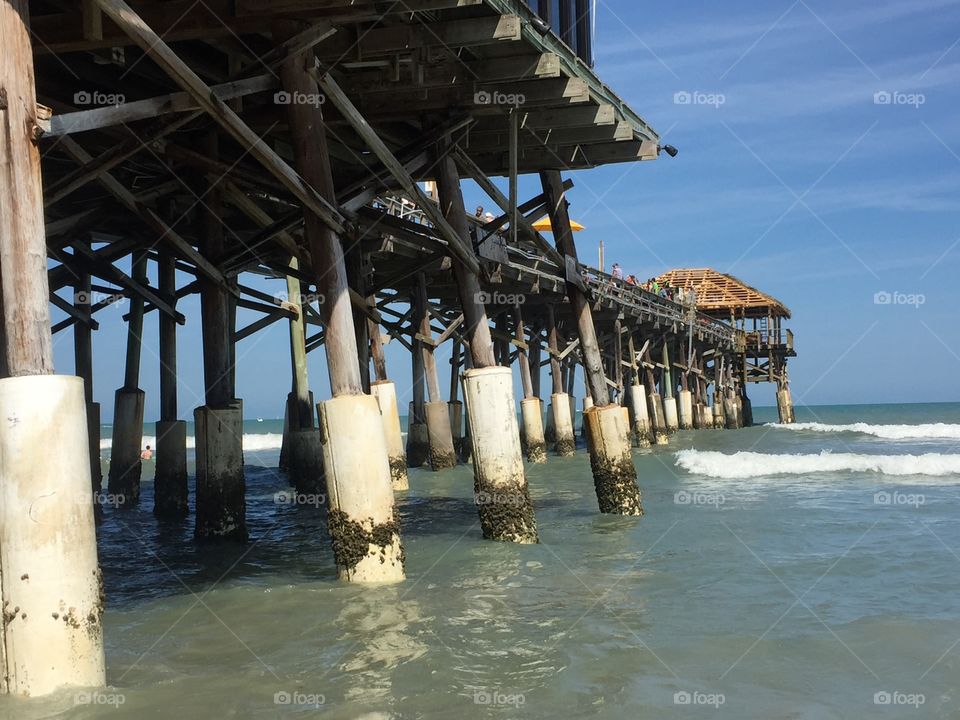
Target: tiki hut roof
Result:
[[724, 294]]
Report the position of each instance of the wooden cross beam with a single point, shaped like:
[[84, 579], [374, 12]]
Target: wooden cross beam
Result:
[[132, 24], [431, 209], [147, 215]]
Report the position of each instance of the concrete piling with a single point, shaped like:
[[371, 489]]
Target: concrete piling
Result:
[[385, 392]]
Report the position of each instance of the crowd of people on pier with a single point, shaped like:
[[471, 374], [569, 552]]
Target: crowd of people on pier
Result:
[[652, 285]]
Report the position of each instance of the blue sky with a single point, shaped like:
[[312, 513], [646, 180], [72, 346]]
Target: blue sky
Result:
[[793, 175]]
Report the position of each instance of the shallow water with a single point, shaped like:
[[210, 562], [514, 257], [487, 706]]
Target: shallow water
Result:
[[768, 594]]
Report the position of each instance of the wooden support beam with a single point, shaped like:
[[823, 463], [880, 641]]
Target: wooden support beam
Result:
[[468, 167], [590, 348], [24, 300], [98, 118], [179, 20], [146, 214], [458, 247], [259, 324], [131, 23], [105, 269], [326, 249]]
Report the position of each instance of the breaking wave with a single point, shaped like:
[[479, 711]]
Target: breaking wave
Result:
[[933, 431], [251, 441], [742, 465]]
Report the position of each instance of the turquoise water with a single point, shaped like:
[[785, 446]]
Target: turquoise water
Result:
[[814, 575]]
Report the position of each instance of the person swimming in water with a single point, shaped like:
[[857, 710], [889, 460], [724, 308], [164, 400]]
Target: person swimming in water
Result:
[[147, 453]]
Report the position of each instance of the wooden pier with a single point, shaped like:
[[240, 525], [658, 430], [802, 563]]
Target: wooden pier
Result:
[[321, 143]]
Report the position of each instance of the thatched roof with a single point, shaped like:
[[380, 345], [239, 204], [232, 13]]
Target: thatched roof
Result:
[[724, 294]]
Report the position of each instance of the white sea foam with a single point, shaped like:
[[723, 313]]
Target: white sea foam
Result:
[[932, 431], [251, 441], [743, 465]]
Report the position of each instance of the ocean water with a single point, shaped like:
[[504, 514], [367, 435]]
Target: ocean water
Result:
[[808, 572]]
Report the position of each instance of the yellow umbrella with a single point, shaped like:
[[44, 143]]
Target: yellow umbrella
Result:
[[543, 225]]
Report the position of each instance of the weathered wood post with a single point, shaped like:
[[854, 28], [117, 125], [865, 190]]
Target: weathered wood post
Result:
[[362, 521], [454, 404], [655, 404], [685, 404], [436, 412], [784, 399], [418, 436], [125, 464], [670, 414], [638, 401], [384, 390], [565, 443], [305, 456], [221, 504], [530, 411], [50, 583], [500, 485], [614, 474], [170, 479], [83, 363]]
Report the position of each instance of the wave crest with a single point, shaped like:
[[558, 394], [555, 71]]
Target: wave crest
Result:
[[744, 464], [931, 431]]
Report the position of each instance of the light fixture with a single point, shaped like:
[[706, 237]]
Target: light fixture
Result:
[[668, 149]]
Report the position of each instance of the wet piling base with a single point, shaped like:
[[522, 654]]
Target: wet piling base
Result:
[[305, 468], [746, 411], [500, 485], [719, 419], [125, 447], [670, 415], [385, 393], [221, 486], [93, 435], [455, 409], [363, 523], [534, 444], [640, 416], [785, 406], [549, 430], [685, 408], [418, 440], [52, 597], [614, 474], [587, 404], [565, 444], [731, 412], [170, 477], [443, 455], [657, 422]]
